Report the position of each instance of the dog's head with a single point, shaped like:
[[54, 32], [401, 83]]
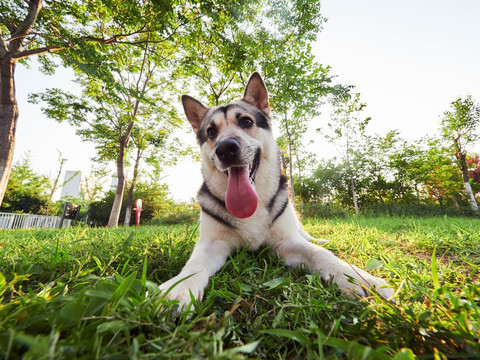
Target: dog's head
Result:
[[230, 140]]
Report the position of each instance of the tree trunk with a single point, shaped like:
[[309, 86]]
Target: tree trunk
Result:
[[128, 211], [8, 120], [354, 192], [128, 208], [466, 183], [117, 202], [461, 156], [57, 179]]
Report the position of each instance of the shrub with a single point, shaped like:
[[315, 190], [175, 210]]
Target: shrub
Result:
[[316, 210], [417, 210], [177, 214]]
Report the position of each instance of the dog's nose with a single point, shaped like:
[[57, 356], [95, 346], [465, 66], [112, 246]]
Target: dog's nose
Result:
[[227, 151]]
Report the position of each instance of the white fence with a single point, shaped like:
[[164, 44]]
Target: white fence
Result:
[[16, 221]]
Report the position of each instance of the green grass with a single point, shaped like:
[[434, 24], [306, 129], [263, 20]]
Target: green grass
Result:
[[90, 293]]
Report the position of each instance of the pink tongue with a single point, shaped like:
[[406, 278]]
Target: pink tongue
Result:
[[241, 199]]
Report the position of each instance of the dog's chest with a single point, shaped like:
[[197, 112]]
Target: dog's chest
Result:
[[254, 232]]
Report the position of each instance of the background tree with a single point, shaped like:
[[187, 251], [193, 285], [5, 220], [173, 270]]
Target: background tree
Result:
[[473, 164], [298, 89], [275, 38], [153, 145], [347, 130], [27, 191], [130, 92], [460, 127], [55, 183], [326, 184], [67, 27], [439, 174], [155, 200]]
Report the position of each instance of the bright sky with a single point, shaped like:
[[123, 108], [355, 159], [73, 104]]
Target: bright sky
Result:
[[408, 59]]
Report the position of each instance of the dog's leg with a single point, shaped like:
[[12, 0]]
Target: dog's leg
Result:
[[297, 251], [207, 258]]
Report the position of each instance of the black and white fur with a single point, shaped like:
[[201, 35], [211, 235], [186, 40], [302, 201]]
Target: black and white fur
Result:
[[246, 124]]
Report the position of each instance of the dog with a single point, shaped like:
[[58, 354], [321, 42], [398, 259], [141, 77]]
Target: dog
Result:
[[244, 200]]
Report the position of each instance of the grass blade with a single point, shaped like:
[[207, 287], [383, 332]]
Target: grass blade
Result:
[[436, 282], [119, 293]]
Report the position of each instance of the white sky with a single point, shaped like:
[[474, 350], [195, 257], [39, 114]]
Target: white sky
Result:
[[408, 59]]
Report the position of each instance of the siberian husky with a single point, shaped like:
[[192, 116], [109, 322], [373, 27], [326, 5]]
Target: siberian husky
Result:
[[244, 200]]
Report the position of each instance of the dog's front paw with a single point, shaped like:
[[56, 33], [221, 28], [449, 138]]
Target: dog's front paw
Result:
[[351, 279], [182, 289]]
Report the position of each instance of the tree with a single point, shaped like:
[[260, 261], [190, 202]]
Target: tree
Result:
[[56, 181], [36, 28], [133, 95], [149, 139], [274, 38], [155, 197], [460, 127], [74, 29], [27, 191], [346, 130], [298, 88], [473, 164], [327, 184]]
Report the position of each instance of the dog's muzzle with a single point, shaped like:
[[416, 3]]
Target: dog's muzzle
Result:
[[241, 198]]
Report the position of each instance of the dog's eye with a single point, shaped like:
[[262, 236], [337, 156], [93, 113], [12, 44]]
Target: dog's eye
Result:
[[245, 122], [212, 132]]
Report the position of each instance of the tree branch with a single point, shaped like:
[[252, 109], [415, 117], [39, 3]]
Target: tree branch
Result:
[[24, 54], [34, 7]]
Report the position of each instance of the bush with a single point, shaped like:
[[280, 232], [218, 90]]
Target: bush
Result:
[[27, 191], [316, 210], [417, 210], [155, 199], [326, 211], [177, 214]]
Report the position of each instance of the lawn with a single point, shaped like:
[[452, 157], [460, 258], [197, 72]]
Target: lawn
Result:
[[90, 293]]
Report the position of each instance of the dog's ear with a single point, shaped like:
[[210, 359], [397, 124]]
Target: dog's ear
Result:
[[256, 93], [194, 110]]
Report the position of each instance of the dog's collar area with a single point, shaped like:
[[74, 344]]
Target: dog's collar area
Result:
[[253, 167]]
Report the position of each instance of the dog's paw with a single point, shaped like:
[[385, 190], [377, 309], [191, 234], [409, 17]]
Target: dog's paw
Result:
[[351, 279], [182, 290]]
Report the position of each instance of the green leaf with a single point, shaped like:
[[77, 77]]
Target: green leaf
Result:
[[119, 293], [373, 264], [290, 334], [72, 312], [277, 318], [436, 282], [274, 283], [34, 269], [99, 263], [144, 276], [111, 326], [404, 354], [3, 284], [246, 349]]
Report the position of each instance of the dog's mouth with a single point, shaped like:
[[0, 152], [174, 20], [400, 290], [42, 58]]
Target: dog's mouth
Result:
[[252, 168], [241, 198]]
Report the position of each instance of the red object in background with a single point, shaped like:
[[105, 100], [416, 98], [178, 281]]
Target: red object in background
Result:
[[138, 210]]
